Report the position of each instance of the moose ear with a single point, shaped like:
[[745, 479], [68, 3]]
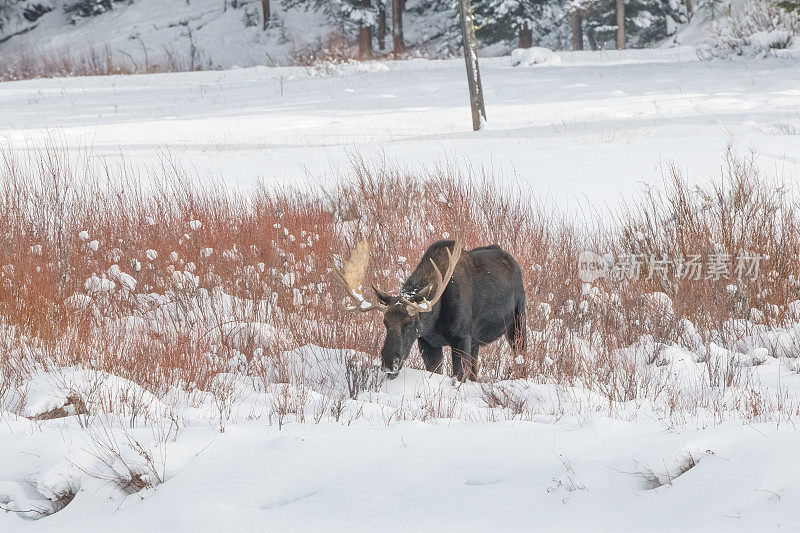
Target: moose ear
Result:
[[384, 297], [423, 294]]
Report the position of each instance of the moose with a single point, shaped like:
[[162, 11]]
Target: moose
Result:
[[479, 297]]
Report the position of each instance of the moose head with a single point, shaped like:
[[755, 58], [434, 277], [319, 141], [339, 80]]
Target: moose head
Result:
[[403, 315]]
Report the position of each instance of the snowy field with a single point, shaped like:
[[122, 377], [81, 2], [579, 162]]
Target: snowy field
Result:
[[709, 446], [592, 128]]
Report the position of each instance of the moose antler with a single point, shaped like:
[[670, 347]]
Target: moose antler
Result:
[[426, 305], [352, 277]]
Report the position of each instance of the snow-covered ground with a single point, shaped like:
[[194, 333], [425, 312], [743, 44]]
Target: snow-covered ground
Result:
[[420, 452], [593, 127]]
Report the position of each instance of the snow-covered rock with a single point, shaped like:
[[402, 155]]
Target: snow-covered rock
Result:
[[528, 57]]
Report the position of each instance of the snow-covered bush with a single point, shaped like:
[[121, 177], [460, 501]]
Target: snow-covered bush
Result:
[[750, 29], [334, 49], [32, 11]]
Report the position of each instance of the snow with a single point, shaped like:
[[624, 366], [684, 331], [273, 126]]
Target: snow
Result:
[[563, 478], [419, 452], [528, 57], [98, 285], [469, 466], [599, 126], [770, 39], [125, 280], [204, 33]]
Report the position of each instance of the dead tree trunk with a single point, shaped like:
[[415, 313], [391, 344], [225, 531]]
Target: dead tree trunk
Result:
[[398, 39], [470, 44], [576, 21], [266, 13], [525, 35], [382, 27], [620, 24]]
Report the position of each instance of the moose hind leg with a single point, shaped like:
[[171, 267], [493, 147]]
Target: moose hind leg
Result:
[[515, 332], [432, 356]]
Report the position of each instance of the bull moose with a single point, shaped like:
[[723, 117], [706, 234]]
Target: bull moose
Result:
[[478, 298]]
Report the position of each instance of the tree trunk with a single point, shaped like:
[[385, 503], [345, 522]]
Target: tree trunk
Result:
[[266, 12], [525, 36], [689, 9], [620, 24], [470, 44], [576, 21], [398, 39], [365, 42], [382, 28]]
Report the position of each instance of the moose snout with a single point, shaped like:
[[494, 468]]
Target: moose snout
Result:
[[391, 369]]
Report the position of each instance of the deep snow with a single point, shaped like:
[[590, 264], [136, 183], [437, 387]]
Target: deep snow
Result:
[[545, 471]]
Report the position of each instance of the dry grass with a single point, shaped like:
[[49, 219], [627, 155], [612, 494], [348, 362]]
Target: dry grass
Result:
[[651, 479], [25, 64], [226, 282], [741, 214]]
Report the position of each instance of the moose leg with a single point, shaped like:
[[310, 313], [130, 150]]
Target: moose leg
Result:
[[515, 332], [461, 351], [474, 362], [432, 356]]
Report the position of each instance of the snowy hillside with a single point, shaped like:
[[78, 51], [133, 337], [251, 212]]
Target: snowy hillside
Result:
[[203, 34], [148, 35]]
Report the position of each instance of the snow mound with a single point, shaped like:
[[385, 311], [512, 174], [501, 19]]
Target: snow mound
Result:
[[348, 68], [75, 390], [528, 57]]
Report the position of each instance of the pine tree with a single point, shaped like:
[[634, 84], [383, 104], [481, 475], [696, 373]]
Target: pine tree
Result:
[[507, 20], [359, 16], [646, 21], [523, 22], [790, 5], [442, 24]]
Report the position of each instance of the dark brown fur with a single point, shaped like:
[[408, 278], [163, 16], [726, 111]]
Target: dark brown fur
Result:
[[484, 300]]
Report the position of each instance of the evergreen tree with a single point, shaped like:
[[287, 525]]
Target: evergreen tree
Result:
[[522, 22], [507, 20], [353, 15], [437, 20], [646, 21], [792, 6]]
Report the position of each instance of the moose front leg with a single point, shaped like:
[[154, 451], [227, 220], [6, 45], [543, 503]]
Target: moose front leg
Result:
[[474, 362], [462, 354], [432, 356]]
